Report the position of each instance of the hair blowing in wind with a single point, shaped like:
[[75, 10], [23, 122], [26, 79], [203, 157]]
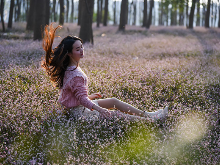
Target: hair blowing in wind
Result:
[[56, 60]]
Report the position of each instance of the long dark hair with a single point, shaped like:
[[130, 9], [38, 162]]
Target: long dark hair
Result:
[[56, 60]]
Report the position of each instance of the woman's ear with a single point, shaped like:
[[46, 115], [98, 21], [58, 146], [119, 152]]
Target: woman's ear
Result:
[[69, 54]]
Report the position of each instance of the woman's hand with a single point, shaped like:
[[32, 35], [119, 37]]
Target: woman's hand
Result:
[[94, 96], [103, 111]]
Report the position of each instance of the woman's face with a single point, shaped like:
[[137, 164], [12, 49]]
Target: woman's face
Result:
[[77, 51]]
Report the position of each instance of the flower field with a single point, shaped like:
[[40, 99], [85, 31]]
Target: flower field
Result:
[[146, 68]]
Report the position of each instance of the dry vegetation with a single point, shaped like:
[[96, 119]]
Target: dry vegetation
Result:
[[147, 68]]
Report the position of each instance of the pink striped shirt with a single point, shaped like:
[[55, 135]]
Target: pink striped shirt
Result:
[[75, 89]]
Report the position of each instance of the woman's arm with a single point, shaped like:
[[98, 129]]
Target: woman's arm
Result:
[[80, 91], [103, 111]]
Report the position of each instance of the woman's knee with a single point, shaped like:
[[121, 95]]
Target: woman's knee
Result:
[[115, 101]]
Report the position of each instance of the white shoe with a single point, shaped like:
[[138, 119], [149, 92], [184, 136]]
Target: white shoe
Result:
[[161, 116], [150, 114]]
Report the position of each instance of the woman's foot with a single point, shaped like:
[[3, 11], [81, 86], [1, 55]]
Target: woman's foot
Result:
[[152, 114], [158, 115], [161, 116]]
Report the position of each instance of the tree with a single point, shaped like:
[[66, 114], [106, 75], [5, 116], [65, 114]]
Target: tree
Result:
[[27, 9], [207, 14], [124, 5], [174, 12], [80, 11], [114, 6], [181, 12], [86, 33], [187, 15], [105, 20], [212, 13], [54, 11], [11, 14], [18, 10], [61, 20], [101, 8], [67, 10], [219, 15], [145, 14], [98, 13], [30, 21], [134, 13], [47, 12], [39, 19], [150, 14], [2, 15], [160, 12], [198, 13], [72, 11], [191, 16]]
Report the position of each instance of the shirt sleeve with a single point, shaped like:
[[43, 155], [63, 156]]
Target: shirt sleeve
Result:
[[79, 88]]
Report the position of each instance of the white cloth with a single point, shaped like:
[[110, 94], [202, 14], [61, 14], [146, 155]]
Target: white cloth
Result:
[[81, 112]]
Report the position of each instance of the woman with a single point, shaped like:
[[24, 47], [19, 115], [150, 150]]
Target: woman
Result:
[[62, 65]]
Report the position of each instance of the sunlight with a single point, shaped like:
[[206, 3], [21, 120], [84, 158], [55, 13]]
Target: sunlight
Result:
[[192, 128]]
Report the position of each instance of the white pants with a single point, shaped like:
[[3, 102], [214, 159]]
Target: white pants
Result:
[[81, 112]]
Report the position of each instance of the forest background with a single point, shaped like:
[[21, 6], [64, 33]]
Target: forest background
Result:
[[147, 53], [188, 13]]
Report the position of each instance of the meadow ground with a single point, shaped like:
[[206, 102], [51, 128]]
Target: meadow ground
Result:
[[148, 68]]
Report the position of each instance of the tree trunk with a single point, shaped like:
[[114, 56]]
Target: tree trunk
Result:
[[126, 14], [160, 12], [72, 11], [115, 13], [123, 14], [219, 16], [181, 12], [18, 10], [54, 11], [174, 14], [145, 14], [27, 9], [30, 22], [105, 20], [212, 14], [67, 10], [150, 14], [135, 13], [61, 20], [187, 15], [166, 5], [39, 21], [215, 14], [198, 13], [191, 16], [47, 10], [101, 7], [86, 33], [207, 14], [24, 17], [2, 15], [80, 11], [11, 14], [98, 13]]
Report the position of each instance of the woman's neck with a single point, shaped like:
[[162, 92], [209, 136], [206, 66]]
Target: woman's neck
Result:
[[74, 63]]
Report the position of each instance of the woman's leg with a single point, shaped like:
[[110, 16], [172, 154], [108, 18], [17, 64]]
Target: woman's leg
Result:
[[129, 109], [120, 105]]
